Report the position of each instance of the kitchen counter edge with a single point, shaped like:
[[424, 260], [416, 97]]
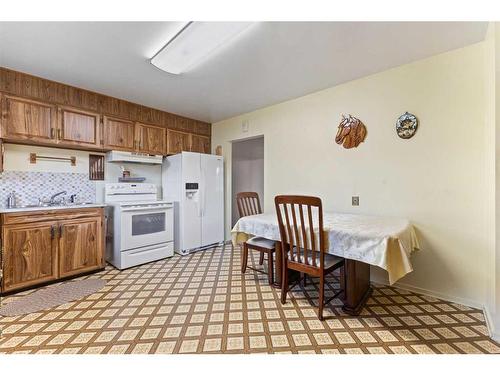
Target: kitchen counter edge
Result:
[[50, 208]]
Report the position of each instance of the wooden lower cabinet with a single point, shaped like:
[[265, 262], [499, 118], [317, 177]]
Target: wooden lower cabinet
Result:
[[43, 246], [29, 253], [80, 247]]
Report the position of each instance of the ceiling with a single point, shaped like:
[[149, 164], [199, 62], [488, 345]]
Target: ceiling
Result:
[[269, 63]]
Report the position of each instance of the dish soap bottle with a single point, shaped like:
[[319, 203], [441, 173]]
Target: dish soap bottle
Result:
[[11, 200]]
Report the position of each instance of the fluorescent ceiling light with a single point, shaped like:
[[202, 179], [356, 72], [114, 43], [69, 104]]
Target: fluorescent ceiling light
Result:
[[194, 43]]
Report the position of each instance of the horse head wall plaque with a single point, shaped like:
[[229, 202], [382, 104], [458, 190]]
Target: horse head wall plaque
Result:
[[351, 132]]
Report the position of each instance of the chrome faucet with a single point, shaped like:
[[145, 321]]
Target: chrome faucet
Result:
[[52, 198]]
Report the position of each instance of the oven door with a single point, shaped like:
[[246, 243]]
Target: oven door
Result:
[[146, 225]]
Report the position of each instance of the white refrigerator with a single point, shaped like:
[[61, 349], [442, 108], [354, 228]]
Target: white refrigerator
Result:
[[195, 183]]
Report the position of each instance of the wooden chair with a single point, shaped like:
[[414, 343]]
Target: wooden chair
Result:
[[303, 243], [249, 204]]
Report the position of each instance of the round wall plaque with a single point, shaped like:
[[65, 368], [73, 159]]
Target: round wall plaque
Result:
[[407, 125]]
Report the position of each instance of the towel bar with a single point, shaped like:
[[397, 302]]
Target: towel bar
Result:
[[34, 157]]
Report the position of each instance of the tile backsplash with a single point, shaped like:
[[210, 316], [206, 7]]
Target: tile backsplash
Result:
[[29, 186]]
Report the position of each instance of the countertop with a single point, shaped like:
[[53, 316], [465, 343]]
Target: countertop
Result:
[[51, 208]]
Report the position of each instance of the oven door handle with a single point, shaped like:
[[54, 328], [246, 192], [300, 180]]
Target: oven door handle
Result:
[[146, 208]]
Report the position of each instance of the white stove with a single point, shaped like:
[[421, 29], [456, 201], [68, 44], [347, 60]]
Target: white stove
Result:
[[140, 226]]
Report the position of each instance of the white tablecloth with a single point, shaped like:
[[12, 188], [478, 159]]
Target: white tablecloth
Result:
[[379, 241]]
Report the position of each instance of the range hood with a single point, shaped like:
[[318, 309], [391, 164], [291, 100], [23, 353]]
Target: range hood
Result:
[[132, 157]]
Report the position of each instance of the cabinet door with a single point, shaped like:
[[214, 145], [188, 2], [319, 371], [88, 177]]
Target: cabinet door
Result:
[[80, 246], [151, 139], [118, 134], [200, 143], [2, 150], [177, 142], [28, 120], [77, 127], [30, 255]]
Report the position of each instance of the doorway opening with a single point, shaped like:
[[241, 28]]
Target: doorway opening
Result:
[[247, 170]]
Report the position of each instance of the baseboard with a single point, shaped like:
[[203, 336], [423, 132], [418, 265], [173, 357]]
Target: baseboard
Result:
[[496, 337], [431, 293], [490, 323]]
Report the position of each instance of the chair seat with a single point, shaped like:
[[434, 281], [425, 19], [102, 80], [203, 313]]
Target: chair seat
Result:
[[262, 242], [330, 260]]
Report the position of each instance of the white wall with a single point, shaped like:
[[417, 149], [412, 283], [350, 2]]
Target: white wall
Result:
[[247, 170], [437, 179], [17, 159]]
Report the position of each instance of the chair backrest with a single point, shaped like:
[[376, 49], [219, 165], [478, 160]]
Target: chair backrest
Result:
[[248, 203], [300, 221]]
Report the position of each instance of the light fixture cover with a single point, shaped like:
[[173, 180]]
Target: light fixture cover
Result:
[[194, 43]]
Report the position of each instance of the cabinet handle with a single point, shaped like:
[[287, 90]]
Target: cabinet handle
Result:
[[59, 133], [60, 230], [52, 133], [52, 232]]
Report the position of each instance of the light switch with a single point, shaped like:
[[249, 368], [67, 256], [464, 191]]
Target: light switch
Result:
[[244, 126], [355, 201]]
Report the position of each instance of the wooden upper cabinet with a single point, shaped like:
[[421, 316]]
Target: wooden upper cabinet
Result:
[[2, 151], [183, 124], [80, 246], [178, 142], [150, 139], [29, 255], [28, 120], [200, 143], [78, 127], [118, 134]]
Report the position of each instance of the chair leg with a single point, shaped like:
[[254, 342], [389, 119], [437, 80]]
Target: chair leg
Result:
[[284, 283], [321, 301], [270, 268], [244, 260], [261, 260]]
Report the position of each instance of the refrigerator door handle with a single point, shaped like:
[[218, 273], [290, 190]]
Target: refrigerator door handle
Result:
[[203, 192], [198, 203]]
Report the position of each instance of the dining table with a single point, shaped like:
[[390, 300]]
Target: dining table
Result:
[[362, 240]]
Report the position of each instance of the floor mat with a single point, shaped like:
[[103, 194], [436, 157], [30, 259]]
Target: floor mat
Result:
[[52, 296]]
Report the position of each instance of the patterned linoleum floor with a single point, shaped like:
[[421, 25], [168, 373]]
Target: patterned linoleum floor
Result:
[[203, 304]]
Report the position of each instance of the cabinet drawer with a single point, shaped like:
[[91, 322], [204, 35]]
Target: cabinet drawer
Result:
[[52, 215], [145, 255]]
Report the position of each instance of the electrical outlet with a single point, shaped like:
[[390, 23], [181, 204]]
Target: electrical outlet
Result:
[[355, 201]]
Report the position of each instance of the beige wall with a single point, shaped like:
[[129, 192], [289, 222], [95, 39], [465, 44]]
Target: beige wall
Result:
[[490, 151], [438, 179], [494, 76]]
